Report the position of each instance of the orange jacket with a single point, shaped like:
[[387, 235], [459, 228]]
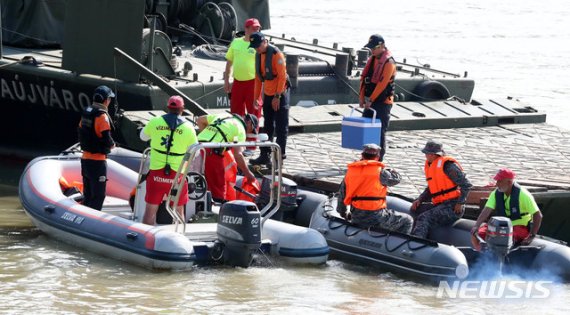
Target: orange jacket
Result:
[[440, 186], [277, 85], [364, 190]]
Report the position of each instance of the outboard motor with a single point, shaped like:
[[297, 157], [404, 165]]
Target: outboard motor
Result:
[[239, 229], [499, 237], [288, 204]]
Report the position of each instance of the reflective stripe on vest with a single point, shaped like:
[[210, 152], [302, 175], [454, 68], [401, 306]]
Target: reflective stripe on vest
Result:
[[514, 206], [440, 186], [364, 190]]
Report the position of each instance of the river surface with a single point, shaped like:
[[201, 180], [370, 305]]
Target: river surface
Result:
[[511, 48]]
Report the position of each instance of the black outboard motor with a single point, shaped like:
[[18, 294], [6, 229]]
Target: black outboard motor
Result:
[[288, 205], [239, 229], [499, 237]]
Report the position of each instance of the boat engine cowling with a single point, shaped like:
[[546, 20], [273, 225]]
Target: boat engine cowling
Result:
[[239, 229], [288, 198], [499, 237]]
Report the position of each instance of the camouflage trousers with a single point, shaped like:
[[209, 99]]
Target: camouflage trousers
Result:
[[428, 216], [386, 219]]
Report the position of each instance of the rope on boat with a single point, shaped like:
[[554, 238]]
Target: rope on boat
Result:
[[384, 234]]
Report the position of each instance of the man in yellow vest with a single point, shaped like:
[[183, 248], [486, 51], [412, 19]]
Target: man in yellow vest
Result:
[[365, 188], [441, 203], [512, 201], [224, 128], [170, 136]]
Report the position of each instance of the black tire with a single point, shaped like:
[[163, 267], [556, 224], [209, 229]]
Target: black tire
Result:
[[428, 91]]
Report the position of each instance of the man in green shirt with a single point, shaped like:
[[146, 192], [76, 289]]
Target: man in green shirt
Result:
[[170, 136], [241, 59], [511, 201], [224, 128]]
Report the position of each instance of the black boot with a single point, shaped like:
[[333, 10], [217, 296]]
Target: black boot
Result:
[[263, 159]]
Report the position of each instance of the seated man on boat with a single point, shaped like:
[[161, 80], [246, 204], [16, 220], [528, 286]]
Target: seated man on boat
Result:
[[364, 188], [224, 128], [170, 136], [509, 200], [441, 203]]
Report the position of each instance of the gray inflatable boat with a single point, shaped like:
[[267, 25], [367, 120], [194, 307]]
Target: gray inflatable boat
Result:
[[447, 254]]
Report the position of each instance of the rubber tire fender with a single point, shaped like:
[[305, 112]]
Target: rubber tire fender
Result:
[[431, 91]]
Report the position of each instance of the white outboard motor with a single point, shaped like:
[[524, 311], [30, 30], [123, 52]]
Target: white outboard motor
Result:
[[239, 229], [499, 237]]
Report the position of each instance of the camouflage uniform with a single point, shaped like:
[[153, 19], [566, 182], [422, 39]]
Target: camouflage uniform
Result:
[[428, 216], [382, 218]]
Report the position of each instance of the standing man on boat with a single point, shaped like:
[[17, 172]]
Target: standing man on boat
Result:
[[441, 203], [96, 141], [377, 85], [509, 200], [170, 136], [271, 79], [241, 59], [365, 188], [224, 128]]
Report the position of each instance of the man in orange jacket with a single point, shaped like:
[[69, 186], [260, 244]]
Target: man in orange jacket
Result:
[[441, 203], [271, 79], [377, 85], [364, 188]]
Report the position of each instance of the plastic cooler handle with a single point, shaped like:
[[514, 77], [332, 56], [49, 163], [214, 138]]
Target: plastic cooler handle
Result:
[[370, 108]]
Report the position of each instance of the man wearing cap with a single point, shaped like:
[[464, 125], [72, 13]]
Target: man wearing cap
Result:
[[241, 59], [170, 136], [377, 85], [441, 203], [94, 133], [509, 200], [271, 74], [365, 187], [224, 128]]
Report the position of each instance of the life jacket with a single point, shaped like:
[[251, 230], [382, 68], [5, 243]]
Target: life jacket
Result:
[[253, 188], [364, 190], [86, 132], [371, 77], [217, 127], [230, 175], [269, 75], [440, 186], [513, 204], [69, 189]]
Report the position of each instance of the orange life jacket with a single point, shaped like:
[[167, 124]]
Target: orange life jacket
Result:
[[364, 190], [65, 185], [440, 186], [251, 187], [230, 174]]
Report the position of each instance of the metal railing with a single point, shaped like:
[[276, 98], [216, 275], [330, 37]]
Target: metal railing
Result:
[[193, 152]]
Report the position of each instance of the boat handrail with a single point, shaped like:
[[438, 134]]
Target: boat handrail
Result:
[[191, 153]]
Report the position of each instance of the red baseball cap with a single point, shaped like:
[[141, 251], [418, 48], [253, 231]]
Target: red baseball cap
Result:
[[252, 22], [175, 102], [505, 173]]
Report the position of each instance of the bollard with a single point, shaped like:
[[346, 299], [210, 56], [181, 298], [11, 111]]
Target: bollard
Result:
[[292, 63], [341, 65], [362, 57]]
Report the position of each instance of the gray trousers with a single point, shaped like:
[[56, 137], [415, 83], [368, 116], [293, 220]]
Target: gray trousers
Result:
[[386, 219], [428, 216]]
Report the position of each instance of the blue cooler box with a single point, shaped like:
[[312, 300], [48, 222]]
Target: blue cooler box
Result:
[[358, 131]]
